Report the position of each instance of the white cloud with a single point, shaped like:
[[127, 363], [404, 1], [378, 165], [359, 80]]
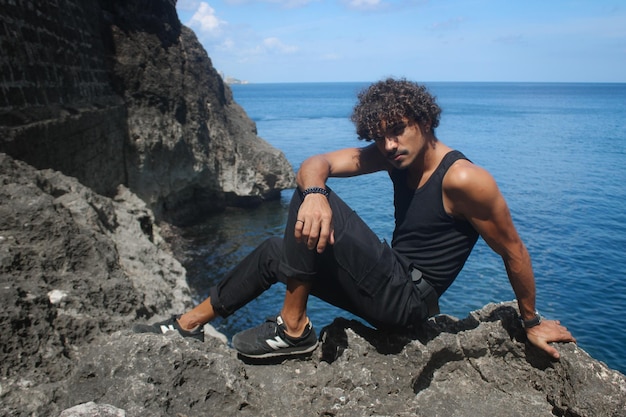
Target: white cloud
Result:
[[287, 4], [205, 19], [187, 5], [228, 44], [275, 45], [291, 4], [364, 4], [382, 5]]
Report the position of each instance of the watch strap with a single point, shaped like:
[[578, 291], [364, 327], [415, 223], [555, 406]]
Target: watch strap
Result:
[[535, 321]]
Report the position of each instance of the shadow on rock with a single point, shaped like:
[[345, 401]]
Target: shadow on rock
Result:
[[334, 337]]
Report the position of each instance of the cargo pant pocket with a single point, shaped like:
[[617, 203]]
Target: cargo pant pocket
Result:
[[367, 259]]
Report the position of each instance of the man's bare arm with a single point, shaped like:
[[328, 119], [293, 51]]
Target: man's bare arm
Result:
[[314, 223], [471, 192]]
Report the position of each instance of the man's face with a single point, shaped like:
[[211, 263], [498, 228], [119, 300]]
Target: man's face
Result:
[[402, 143]]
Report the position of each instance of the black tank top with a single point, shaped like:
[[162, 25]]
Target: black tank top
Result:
[[432, 240]]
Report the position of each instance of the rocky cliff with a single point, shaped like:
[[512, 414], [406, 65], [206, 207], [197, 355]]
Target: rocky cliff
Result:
[[77, 269], [119, 92], [110, 110]]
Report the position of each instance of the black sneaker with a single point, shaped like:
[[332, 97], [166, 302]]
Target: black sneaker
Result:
[[269, 340], [170, 325]]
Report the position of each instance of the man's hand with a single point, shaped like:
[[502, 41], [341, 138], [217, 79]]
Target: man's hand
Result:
[[546, 332], [314, 224]]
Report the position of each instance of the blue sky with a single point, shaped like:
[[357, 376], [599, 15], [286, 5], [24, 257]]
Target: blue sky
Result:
[[265, 41]]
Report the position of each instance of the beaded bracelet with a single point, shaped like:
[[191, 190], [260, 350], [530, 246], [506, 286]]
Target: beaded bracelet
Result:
[[315, 190]]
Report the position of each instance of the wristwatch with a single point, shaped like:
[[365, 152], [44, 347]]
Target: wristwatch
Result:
[[535, 321]]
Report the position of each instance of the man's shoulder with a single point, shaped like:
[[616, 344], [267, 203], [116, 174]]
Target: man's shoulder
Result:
[[464, 177], [462, 172]]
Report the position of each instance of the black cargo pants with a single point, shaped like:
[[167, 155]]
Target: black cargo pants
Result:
[[359, 273]]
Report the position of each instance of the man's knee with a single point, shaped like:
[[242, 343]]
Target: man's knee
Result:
[[270, 254]]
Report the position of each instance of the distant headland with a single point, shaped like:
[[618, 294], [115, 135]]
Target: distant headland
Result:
[[232, 80]]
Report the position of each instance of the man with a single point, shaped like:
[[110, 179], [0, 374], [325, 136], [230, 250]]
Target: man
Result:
[[443, 202]]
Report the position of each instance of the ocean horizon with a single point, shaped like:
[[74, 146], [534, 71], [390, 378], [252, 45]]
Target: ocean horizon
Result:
[[556, 150], [245, 83]]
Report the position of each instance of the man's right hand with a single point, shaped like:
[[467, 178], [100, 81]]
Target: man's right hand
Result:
[[547, 332], [314, 225]]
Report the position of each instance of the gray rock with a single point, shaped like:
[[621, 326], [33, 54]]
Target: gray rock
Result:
[[77, 269], [91, 409], [479, 366], [73, 264], [121, 96], [119, 92], [190, 144]]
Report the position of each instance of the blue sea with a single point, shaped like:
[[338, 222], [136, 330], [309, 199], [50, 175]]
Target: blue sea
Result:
[[557, 151]]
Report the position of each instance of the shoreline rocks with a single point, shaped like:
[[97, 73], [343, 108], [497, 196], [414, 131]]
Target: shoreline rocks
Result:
[[78, 269], [121, 93], [115, 120]]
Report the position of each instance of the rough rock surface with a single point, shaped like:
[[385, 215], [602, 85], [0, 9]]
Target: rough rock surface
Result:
[[73, 265], [76, 269], [119, 92], [190, 144], [120, 95], [472, 367]]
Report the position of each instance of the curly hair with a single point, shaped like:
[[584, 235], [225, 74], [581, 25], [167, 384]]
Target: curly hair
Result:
[[390, 101]]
